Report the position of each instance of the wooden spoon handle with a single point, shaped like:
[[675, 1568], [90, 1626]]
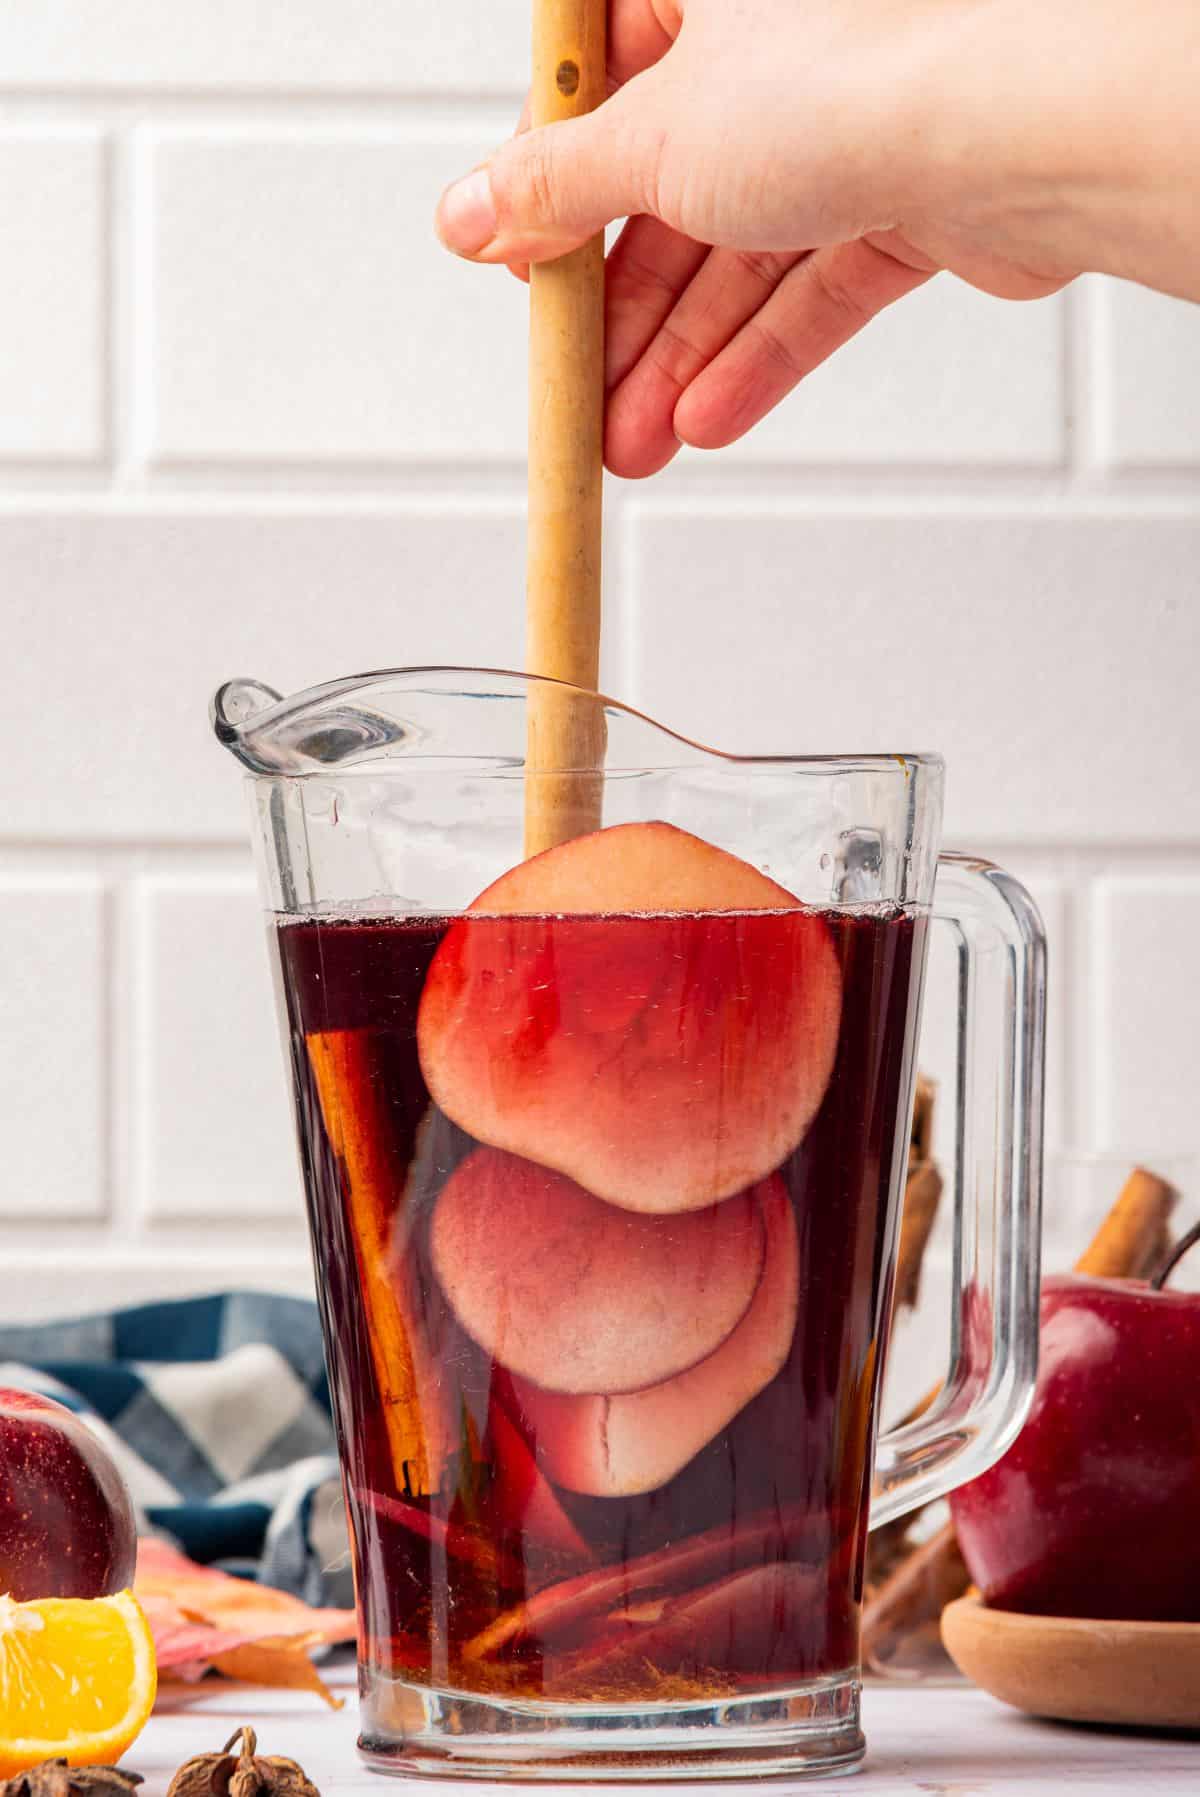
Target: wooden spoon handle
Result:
[[566, 453]]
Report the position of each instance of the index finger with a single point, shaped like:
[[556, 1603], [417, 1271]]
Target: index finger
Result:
[[640, 32]]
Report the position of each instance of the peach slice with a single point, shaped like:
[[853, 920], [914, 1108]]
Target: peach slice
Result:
[[638, 1010], [620, 1445], [579, 1296]]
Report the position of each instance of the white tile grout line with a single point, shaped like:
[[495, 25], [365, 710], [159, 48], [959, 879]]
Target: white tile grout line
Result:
[[112, 1029], [110, 374], [776, 489], [138, 311], [619, 618], [271, 110], [128, 1048], [1072, 1025], [630, 664], [1074, 398], [1090, 343], [218, 857], [121, 342], [1092, 996]]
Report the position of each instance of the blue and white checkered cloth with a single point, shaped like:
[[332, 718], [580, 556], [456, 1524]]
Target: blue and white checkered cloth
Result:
[[217, 1412]]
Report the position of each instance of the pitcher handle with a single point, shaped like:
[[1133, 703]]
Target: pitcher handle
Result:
[[997, 1200]]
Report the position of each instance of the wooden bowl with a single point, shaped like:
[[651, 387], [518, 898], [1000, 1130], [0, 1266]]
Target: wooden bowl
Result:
[[1139, 1674]]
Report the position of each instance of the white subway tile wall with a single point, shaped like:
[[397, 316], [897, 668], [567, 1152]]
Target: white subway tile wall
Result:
[[54, 1052], [301, 309], [253, 421], [1148, 398], [1146, 959], [895, 397], [54, 298], [222, 47], [213, 1130]]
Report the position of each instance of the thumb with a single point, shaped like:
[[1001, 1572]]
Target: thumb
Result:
[[549, 190]]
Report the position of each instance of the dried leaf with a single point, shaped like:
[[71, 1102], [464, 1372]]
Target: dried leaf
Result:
[[255, 1611], [285, 1664], [203, 1620]]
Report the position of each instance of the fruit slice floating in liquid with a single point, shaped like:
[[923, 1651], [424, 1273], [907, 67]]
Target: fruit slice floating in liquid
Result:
[[580, 1296], [634, 1442], [636, 1009]]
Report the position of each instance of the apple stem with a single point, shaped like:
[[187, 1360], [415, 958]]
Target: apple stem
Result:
[[1174, 1257]]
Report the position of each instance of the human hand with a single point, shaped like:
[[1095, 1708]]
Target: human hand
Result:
[[787, 172]]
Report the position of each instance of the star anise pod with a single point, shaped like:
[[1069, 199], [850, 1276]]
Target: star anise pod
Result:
[[246, 1773], [54, 1778]]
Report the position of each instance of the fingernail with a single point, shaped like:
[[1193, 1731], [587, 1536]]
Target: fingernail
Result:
[[466, 218]]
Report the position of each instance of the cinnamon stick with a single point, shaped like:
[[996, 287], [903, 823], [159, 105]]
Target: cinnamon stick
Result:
[[354, 1112], [565, 731], [929, 1578], [1130, 1242], [1134, 1236], [922, 1194], [920, 1146]]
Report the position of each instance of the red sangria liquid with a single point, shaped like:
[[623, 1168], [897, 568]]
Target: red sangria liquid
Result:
[[600, 1207]]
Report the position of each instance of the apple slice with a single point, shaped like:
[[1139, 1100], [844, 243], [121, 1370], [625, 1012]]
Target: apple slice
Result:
[[579, 1296], [638, 1010], [559, 1612], [620, 1445], [523, 1497], [495, 1564], [750, 1621]]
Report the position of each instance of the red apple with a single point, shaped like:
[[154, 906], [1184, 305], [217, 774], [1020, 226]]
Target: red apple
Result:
[[66, 1522], [1095, 1509], [639, 1010]]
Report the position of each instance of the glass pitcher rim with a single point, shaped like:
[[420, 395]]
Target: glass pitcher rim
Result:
[[232, 724]]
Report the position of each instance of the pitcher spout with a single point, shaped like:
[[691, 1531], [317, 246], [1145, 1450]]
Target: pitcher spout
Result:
[[468, 714], [310, 731]]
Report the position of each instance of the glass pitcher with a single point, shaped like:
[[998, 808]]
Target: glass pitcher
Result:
[[603, 1150]]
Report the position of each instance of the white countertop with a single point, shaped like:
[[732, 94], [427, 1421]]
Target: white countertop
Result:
[[949, 1742]]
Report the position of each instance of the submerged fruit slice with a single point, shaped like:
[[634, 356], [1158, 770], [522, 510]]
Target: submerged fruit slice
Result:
[[580, 1296], [562, 1610], [77, 1680], [618, 1446], [522, 1497], [754, 1619], [639, 1010]]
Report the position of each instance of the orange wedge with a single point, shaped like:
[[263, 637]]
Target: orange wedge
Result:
[[77, 1680]]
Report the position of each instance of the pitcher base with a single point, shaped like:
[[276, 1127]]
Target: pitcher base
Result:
[[809, 1730]]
